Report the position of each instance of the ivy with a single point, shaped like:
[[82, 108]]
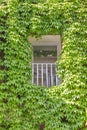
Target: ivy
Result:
[[24, 106]]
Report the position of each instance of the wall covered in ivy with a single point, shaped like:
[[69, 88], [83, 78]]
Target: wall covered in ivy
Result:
[[24, 106]]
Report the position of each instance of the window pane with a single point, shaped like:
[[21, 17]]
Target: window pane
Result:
[[45, 51]]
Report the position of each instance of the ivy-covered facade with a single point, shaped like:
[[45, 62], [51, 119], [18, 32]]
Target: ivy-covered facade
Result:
[[24, 106]]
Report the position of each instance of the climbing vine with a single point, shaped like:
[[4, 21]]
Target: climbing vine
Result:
[[24, 106]]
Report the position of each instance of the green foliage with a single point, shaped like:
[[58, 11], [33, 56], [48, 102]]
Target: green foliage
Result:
[[24, 106]]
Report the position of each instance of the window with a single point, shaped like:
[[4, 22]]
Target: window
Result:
[[45, 53]]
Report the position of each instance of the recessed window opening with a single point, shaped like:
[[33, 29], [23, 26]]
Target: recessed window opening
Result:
[[45, 54]]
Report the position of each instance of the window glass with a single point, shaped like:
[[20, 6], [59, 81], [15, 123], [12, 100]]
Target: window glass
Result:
[[45, 51]]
